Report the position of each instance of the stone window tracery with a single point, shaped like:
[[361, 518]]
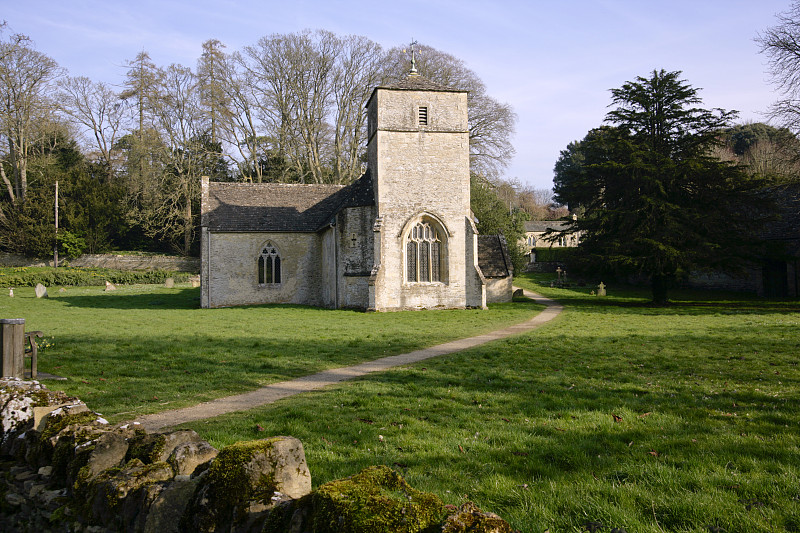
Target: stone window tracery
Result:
[[424, 249], [269, 266]]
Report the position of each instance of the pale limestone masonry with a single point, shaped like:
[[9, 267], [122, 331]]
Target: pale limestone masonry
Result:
[[422, 173], [348, 246]]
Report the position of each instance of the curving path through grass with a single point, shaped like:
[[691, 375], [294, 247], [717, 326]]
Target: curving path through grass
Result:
[[284, 389]]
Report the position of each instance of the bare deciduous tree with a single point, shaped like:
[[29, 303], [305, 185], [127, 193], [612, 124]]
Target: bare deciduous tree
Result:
[[26, 87], [97, 108]]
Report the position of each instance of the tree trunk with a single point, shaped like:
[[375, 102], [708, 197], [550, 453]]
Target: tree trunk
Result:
[[187, 219], [660, 283]]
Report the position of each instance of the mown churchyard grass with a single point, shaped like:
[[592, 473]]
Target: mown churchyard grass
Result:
[[615, 415], [146, 348]]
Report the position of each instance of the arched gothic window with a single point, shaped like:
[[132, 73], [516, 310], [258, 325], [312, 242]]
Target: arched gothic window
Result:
[[269, 266], [424, 252]]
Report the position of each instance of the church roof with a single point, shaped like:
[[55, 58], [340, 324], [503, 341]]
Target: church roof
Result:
[[493, 258], [280, 207], [419, 83], [545, 225]]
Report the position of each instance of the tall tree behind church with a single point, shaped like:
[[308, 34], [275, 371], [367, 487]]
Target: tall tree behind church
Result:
[[491, 123], [26, 104], [310, 90]]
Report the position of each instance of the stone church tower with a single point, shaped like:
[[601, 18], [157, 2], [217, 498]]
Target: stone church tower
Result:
[[425, 241]]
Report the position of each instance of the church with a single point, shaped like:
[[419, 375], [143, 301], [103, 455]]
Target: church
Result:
[[402, 236]]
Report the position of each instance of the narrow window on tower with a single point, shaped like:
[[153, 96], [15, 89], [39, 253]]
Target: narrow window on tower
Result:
[[423, 116]]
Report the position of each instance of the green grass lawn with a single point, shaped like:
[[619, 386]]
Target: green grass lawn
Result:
[[653, 419], [146, 348]]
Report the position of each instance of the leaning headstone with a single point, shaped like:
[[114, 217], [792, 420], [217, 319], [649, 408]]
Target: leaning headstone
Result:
[[601, 289], [169, 283], [41, 291], [110, 286]]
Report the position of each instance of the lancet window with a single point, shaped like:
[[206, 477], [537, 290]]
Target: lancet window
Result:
[[269, 266]]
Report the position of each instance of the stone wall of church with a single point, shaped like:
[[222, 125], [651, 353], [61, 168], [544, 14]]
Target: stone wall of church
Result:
[[499, 290], [356, 257], [230, 270], [476, 284], [420, 170]]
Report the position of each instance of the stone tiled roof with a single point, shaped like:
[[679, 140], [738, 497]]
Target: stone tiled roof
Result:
[[544, 225], [242, 207], [419, 83], [493, 258]]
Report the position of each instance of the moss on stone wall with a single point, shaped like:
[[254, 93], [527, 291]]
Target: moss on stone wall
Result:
[[376, 500], [229, 480]]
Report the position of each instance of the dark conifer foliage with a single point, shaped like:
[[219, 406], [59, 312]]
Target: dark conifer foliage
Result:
[[657, 203]]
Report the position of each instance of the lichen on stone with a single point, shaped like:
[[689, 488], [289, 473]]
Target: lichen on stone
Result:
[[228, 477], [376, 500]]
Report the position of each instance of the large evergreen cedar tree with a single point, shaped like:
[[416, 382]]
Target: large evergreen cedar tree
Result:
[[656, 202]]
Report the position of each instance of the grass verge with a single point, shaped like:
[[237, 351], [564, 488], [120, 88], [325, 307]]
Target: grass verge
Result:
[[144, 348], [616, 414]]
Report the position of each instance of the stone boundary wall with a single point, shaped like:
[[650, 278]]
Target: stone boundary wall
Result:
[[65, 468], [543, 266], [118, 262]]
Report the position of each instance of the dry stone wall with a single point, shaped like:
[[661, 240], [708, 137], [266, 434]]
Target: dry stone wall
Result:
[[65, 468], [117, 262]]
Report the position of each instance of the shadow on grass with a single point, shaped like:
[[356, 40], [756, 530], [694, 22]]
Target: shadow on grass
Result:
[[181, 298], [638, 299]]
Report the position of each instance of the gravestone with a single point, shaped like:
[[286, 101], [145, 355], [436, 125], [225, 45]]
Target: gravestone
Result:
[[601, 289], [41, 291], [110, 286], [169, 283], [11, 292], [195, 281]]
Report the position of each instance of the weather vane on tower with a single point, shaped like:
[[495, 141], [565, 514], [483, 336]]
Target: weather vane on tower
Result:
[[413, 59]]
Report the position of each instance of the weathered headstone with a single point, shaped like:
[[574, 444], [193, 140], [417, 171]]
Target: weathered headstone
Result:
[[195, 281], [41, 291], [169, 283], [601, 289], [11, 291], [110, 286], [62, 289]]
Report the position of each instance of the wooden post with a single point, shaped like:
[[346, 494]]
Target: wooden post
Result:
[[12, 338]]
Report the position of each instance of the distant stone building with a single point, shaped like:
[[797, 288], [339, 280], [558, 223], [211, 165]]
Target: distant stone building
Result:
[[536, 236], [400, 237]]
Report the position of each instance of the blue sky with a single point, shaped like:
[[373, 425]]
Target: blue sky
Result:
[[553, 61]]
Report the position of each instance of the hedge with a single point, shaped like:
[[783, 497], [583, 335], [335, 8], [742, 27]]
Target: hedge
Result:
[[71, 276]]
